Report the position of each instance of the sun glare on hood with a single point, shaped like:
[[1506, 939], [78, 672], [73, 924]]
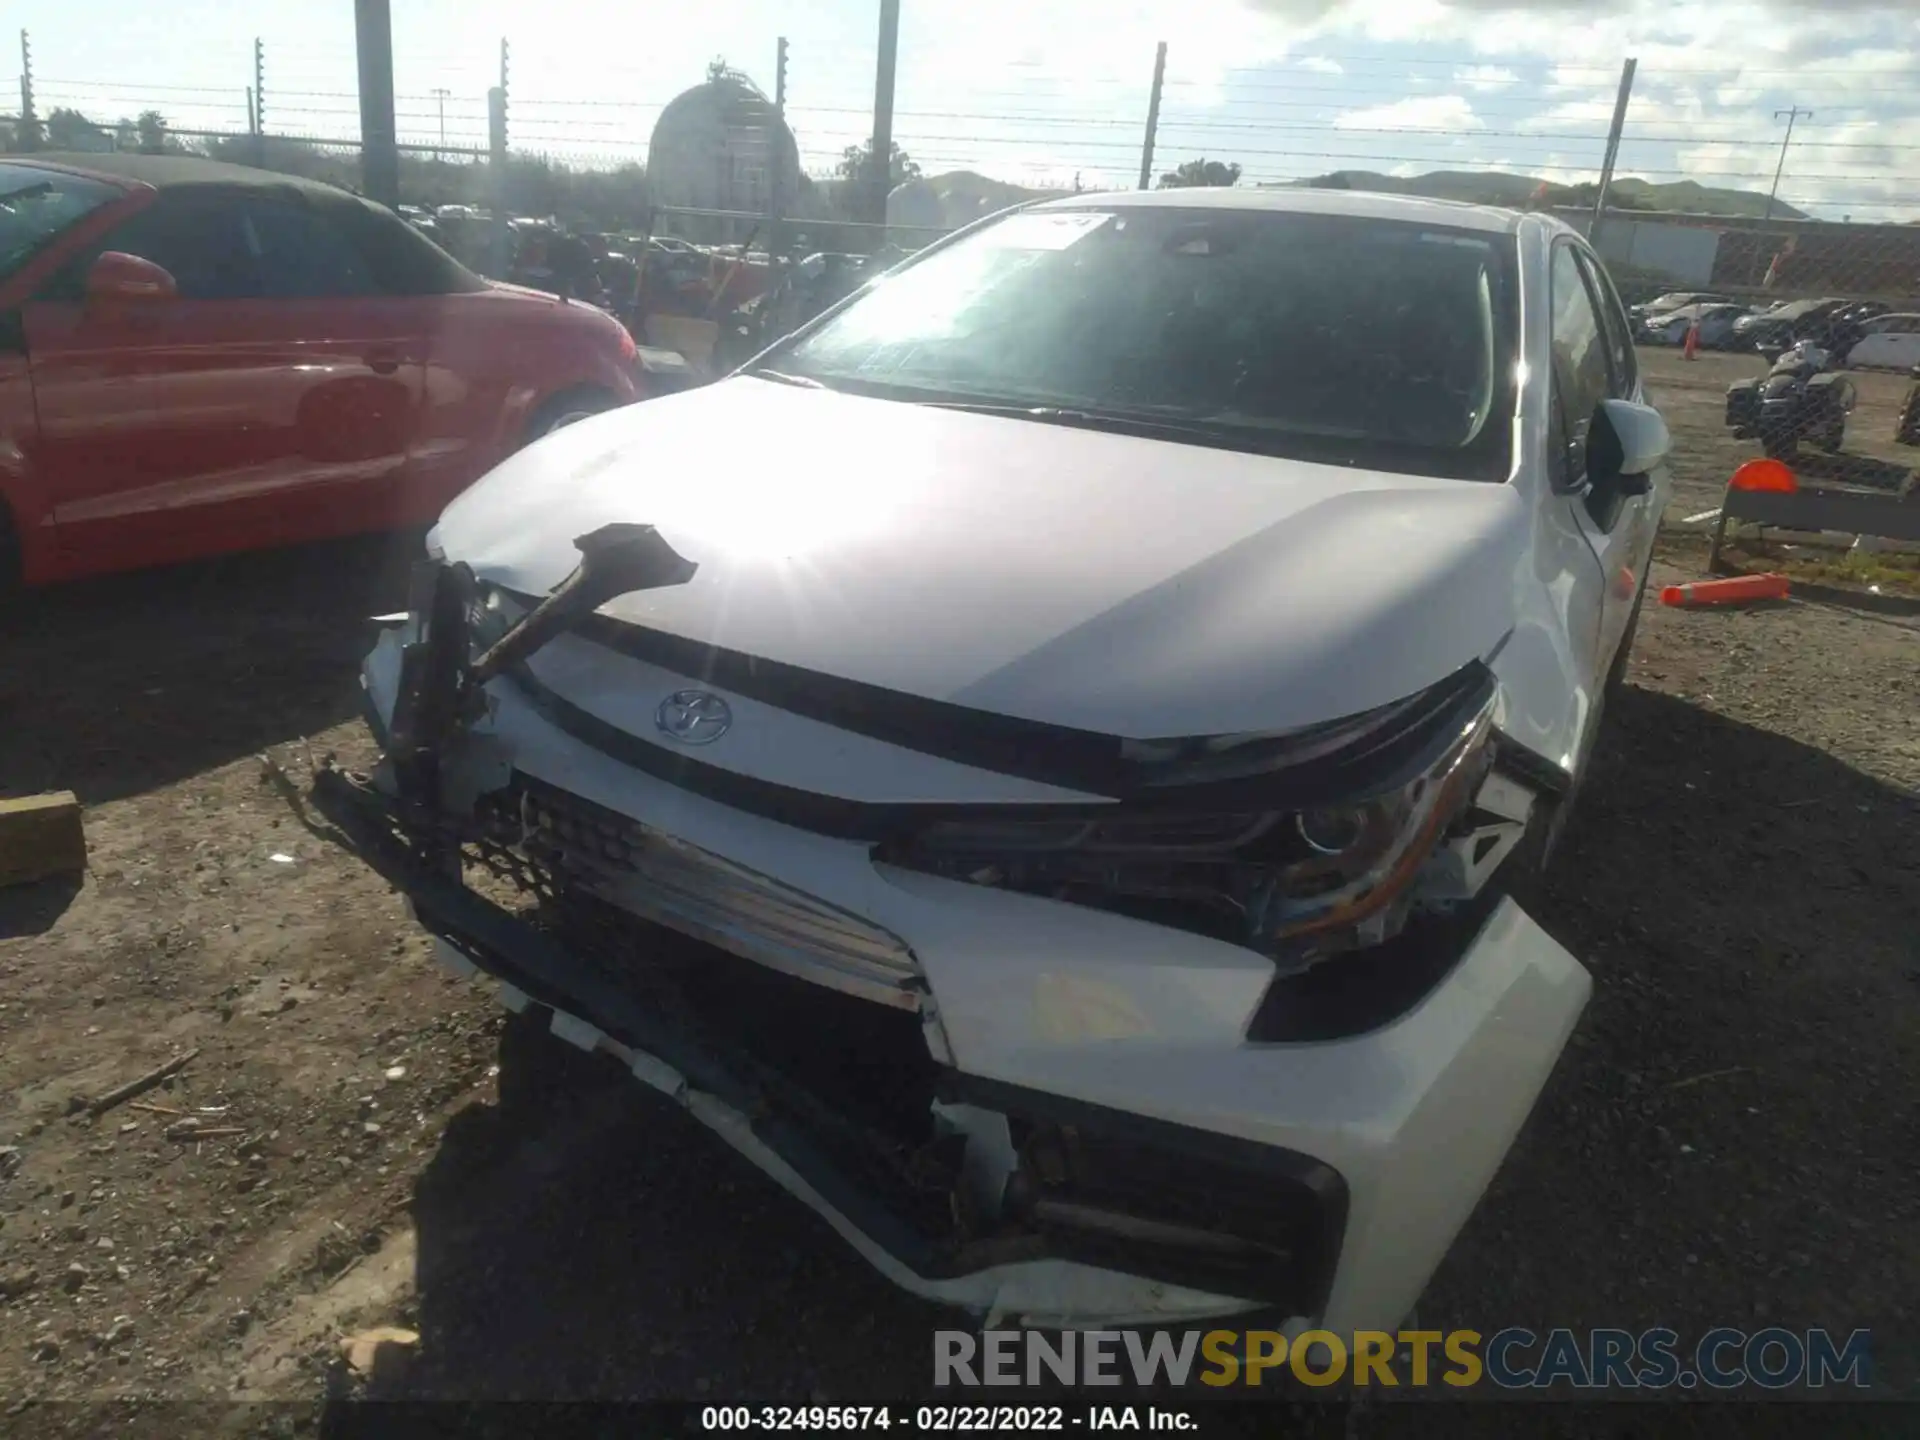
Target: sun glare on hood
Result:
[[791, 513]]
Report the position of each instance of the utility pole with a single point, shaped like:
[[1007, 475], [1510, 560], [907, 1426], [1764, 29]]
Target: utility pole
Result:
[[29, 122], [497, 162], [497, 155], [1792, 115], [880, 162], [776, 160], [440, 93], [1613, 149], [259, 102], [379, 153], [1153, 114], [503, 86]]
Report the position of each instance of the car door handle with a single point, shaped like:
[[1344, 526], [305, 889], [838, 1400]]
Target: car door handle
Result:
[[383, 362]]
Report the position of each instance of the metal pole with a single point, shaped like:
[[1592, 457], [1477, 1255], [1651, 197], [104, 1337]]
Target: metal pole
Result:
[[440, 93], [503, 83], [1153, 114], [29, 122], [379, 157], [1613, 149], [881, 160], [1792, 115], [497, 157], [777, 159]]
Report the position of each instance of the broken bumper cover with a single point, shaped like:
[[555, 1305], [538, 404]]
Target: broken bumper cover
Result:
[[1054, 1113], [1352, 1162], [1066, 1274]]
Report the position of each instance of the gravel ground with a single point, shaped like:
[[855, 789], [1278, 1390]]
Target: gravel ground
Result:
[[1729, 1140]]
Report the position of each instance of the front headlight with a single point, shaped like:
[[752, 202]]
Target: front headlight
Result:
[[1357, 892], [1296, 881]]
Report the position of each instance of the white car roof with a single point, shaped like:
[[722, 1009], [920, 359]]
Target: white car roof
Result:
[[1301, 201]]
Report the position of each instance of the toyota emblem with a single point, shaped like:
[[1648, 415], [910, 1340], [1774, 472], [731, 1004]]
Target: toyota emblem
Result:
[[694, 717]]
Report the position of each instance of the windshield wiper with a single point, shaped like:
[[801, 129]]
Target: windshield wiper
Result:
[[1118, 422]]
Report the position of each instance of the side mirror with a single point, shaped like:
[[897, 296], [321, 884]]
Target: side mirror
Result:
[[117, 279], [1628, 441]]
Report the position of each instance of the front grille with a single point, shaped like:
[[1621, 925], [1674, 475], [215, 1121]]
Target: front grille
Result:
[[702, 895]]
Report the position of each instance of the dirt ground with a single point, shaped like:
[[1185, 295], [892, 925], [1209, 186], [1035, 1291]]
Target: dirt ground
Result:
[[1730, 1139]]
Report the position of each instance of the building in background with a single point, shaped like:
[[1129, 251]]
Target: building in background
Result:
[[721, 146]]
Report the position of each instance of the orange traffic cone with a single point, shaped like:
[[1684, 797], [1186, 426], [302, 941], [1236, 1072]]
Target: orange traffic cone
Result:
[[1769, 475], [1692, 348], [1726, 592]]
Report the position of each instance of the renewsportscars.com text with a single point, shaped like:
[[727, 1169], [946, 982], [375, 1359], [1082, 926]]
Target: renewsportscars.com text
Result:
[[1512, 1359]]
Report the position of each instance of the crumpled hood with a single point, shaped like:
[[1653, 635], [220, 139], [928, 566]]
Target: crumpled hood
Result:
[[1125, 586]]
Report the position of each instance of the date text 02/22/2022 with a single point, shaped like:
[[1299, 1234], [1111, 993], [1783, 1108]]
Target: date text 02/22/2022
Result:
[[945, 1419]]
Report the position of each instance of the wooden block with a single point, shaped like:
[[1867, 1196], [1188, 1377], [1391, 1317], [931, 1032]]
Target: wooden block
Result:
[[41, 835]]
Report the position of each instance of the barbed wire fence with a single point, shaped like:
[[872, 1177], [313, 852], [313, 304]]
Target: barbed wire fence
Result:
[[1039, 128]]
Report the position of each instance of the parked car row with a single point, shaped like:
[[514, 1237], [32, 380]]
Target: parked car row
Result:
[[1716, 321], [1861, 334]]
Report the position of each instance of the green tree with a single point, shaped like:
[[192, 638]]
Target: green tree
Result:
[[856, 160], [1198, 173], [152, 130], [68, 129]]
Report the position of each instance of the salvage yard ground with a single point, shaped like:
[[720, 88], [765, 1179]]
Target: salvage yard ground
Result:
[[1729, 1140]]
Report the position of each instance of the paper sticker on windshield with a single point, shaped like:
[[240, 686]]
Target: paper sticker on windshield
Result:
[[1033, 231]]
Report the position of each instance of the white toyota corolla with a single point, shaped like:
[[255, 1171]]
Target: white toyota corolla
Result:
[[1034, 761]]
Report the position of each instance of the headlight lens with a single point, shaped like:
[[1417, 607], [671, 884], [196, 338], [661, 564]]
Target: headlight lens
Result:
[[1334, 830], [1358, 893], [1297, 885]]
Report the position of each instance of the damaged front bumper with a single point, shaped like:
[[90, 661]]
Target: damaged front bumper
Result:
[[1036, 1111], [1093, 1212]]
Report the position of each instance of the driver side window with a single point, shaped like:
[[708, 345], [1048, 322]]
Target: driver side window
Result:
[[1580, 378]]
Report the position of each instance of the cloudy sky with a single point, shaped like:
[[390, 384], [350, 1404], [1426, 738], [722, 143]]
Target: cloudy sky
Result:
[[1047, 90]]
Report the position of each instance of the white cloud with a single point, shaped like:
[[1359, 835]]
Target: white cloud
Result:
[[1416, 112], [1321, 65], [1862, 167], [1485, 78]]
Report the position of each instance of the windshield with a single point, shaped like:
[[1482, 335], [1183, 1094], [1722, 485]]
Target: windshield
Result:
[[36, 205], [1344, 339]]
